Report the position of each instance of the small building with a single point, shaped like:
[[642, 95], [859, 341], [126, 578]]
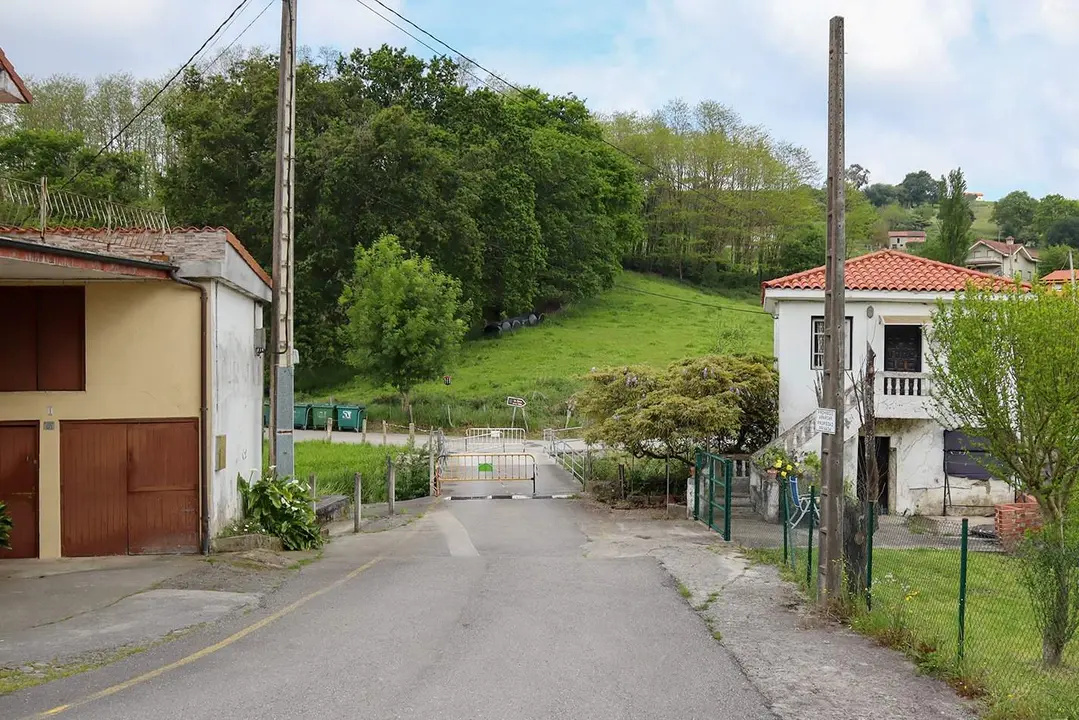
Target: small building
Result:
[[1059, 278], [1004, 258], [131, 386], [900, 239], [890, 298]]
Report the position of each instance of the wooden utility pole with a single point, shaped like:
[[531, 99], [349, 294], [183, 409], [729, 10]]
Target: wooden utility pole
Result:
[[282, 372], [829, 570]]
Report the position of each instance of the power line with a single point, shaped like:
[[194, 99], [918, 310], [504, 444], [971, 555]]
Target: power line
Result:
[[225, 29], [236, 39], [155, 96], [732, 308]]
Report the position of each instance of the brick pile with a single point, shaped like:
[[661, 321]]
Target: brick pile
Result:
[[1013, 520]]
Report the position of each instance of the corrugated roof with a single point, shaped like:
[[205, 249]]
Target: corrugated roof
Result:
[[892, 270]]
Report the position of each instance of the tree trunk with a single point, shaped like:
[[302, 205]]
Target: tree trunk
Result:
[[1055, 637]]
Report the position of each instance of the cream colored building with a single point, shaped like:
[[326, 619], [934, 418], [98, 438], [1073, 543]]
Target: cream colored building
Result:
[[131, 385], [1006, 258]]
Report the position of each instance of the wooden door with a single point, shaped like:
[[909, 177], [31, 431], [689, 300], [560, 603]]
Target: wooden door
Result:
[[93, 488], [18, 487], [163, 487]]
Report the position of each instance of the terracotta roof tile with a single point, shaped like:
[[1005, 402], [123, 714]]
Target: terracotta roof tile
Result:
[[1059, 276], [892, 270], [1006, 249]]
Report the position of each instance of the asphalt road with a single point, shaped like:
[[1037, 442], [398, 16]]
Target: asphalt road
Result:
[[482, 609]]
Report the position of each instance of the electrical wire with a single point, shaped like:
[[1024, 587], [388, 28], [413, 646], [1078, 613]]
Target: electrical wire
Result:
[[236, 39], [732, 308]]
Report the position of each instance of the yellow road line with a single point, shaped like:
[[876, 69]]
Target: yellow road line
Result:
[[207, 650]]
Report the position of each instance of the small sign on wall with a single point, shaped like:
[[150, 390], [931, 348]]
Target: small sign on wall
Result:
[[219, 453]]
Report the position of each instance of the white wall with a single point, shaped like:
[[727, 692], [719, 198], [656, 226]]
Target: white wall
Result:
[[793, 338], [237, 397]]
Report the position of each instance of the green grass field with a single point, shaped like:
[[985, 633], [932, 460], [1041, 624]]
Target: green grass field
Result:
[[335, 465], [983, 228], [919, 589], [641, 320]]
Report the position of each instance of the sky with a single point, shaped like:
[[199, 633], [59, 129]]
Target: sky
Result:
[[987, 85]]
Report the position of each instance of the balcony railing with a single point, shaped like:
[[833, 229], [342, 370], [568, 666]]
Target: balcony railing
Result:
[[906, 384]]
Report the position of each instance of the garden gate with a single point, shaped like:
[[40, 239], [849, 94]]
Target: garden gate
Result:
[[712, 492]]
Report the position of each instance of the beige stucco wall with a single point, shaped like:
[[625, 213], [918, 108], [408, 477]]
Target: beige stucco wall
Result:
[[142, 361]]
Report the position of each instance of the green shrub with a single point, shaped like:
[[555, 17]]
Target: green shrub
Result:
[[5, 527], [282, 507]]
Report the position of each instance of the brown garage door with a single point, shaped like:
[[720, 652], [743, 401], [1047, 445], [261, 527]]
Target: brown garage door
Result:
[[129, 487], [18, 487]]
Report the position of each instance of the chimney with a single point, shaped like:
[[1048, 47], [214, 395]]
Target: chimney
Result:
[[1010, 240]]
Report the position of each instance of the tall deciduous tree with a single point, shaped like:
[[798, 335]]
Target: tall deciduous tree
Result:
[[1064, 232], [405, 318], [1025, 412], [1052, 208], [1014, 215], [956, 218], [919, 188], [1054, 257]]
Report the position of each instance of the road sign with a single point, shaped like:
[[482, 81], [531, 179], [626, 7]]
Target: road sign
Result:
[[516, 402], [825, 420]]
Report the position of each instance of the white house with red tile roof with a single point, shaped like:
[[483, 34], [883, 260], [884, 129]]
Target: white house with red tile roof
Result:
[[1005, 258], [890, 298]]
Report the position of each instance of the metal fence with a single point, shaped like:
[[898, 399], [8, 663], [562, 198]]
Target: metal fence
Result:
[[945, 591], [501, 439], [496, 467]]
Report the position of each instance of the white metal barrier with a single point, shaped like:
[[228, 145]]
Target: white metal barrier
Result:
[[478, 466], [503, 439]]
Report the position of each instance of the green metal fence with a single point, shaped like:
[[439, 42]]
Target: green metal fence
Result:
[[712, 492]]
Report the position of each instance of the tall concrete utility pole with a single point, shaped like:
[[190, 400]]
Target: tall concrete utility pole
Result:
[[282, 404], [829, 571]]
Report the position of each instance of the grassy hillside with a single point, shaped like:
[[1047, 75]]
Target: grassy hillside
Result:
[[641, 320], [983, 228]]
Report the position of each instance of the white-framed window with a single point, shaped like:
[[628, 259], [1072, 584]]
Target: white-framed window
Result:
[[816, 343]]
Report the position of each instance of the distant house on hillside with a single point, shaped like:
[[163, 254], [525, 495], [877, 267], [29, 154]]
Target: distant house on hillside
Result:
[[1058, 279], [974, 196], [899, 239], [1007, 259], [890, 298], [12, 88]]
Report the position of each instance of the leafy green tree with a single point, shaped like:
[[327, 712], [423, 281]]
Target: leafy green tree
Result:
[[405, 318], [1014, 215], [1064, 232], [882, 194], [1025, 416], [953, 242], [1052, 208], [725, 403], [897, 217], [919, 188], [858, 176], [1054, 257], [799, 249]]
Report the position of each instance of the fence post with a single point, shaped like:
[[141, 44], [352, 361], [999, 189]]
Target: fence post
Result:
[[357, 504], [728, 478], [711, 492], [329, 429], [383, 432], [809, 558], [871, 522], [411, 428], [963, 589], [313, 482], [431, 463], [363, 429], [391, 483], [784, 515], [697, 487], [622, 480]]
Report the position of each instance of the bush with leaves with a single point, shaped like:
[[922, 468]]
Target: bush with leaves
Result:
[[5, 527], [1051, 577], [282, 508]]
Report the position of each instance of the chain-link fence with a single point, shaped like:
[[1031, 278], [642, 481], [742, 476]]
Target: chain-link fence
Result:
[[950, 595]]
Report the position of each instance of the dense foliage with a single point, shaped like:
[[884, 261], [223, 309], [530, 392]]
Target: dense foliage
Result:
[[514, 195], [405, 318], [281, 507], [723, 403]]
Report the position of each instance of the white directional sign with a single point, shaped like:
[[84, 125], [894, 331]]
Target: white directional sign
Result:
[[825, 420], [516, 402]]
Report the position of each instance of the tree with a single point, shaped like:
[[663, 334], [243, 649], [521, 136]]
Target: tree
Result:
[[858, 176], [956, 219], [1054, 257], [1052, 208], [897, 217], [919, 188], [881, 194], [405, 318], [1025, 416], [1064, 232], [1014, 215], [723, 403]]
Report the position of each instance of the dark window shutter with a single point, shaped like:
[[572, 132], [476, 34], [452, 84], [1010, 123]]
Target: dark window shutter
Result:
[[61, 345], [18, 327]]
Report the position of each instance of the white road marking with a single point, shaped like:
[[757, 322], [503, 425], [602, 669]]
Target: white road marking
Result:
[[457, 539]]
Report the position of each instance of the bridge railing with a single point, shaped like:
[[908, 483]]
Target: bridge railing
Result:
[[487, 438]]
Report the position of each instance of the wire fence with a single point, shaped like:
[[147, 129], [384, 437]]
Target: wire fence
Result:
[[964, 606]]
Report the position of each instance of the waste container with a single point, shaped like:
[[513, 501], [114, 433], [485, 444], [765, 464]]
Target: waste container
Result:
[[320, 413], [301, 417], [266, 415], [349, 417]]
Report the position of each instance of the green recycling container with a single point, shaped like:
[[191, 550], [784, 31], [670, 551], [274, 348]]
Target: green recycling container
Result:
[[320, 413], [266, 415], [349, 417], [301, 417]]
